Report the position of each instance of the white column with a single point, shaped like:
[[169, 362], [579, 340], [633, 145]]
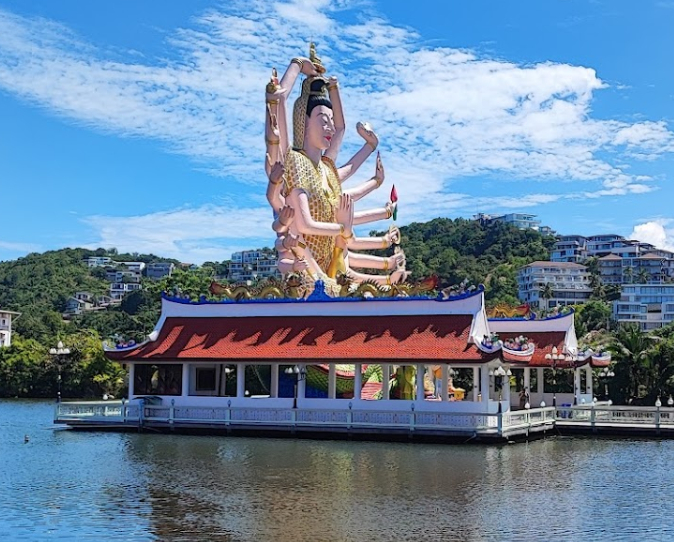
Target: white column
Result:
[[506, 391], [539, 381], [576, 385], [420, 382], [240, 380], [132, 379], [385, 379], [302, 385], [484, 385], [357, 381], [186, 380], [444, 379], [476, 383], [588, 379], [527, 379], [274, 380], [332, 381]]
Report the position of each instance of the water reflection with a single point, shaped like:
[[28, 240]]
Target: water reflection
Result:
[[67, 485]]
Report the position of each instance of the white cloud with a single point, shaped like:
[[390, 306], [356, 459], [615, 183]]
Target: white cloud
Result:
[[441, 113], [209, 232], [656, 233], [19, 247]]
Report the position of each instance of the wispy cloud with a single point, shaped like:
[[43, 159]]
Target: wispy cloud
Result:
[[19, 247], [442, 113]]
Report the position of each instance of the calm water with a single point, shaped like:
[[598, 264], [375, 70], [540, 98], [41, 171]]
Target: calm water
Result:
[[64, 485]]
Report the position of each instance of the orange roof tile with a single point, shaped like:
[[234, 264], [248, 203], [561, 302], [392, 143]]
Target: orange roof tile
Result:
[[418, 337]]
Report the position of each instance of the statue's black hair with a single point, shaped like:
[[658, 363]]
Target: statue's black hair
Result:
[[320, 97]]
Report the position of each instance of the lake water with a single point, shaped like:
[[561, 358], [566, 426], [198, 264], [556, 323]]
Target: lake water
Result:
[[66, 485]]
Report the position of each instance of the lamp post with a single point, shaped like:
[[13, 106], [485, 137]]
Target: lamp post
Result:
[[499, 374], [60, 353], [604, 376], [555, 356], [300, 374]]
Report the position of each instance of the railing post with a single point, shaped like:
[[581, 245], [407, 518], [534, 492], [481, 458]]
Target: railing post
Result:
[[593, 418], [499, 422], [349, 416], [172, 411], [228, 413], [123, 413], [657, 420], [412, 419]]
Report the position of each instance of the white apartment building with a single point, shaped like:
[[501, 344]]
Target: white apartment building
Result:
[[98, 261], [569, 248], [253, 265], [651, 306], [6, 318], [523, 221], [158, 270], [570, 283]]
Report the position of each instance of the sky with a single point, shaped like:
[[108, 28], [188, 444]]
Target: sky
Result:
[[139, 125]]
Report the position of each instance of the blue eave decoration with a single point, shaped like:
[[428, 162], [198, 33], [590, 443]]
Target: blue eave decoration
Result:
[[319, 296], [525, 319]]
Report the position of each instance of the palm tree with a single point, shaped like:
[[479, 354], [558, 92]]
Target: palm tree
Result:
[[643, 276], [628, 274], [547, 292], [631, 349]]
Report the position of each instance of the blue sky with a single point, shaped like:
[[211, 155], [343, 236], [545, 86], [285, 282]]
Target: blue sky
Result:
[[138, 125]]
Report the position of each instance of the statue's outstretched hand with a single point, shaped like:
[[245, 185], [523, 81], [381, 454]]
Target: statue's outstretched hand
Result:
[[344, 214], [286, 216], [308, 67], [277, 171], [300, 265], [367, 133], [392, 236], [379, 174]]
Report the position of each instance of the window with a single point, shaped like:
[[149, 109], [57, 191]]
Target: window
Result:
[[162, 379], [205, 379]]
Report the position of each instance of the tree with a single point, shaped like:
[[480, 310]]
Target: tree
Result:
[[594, 315], [631, 349], [643, 277], [547, 292], [628, 275]]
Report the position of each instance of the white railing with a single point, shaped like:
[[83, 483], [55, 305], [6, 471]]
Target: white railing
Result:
[[451, 422], [90, 410], [606, 415]]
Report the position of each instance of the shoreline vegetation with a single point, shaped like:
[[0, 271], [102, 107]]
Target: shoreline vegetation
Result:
[[460, 250]]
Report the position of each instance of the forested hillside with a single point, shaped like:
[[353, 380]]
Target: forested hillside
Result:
[[39, 285], [464, 249]]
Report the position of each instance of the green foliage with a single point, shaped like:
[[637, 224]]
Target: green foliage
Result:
[[594, 315], [485, 254]]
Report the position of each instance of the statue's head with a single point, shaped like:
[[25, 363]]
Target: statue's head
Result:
[[312, 115]]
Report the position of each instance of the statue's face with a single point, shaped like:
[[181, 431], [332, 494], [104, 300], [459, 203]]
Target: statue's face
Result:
[[320, 128]]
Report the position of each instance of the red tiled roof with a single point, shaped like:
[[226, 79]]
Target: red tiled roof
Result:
[[544, 341], [418, 337]]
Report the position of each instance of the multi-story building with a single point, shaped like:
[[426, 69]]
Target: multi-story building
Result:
[[650, 306], [119, 289], [253, 265], [569, 248], [601, 245], [98, 261], [158, 270], [570, 283], [523, 221], [6, 318]]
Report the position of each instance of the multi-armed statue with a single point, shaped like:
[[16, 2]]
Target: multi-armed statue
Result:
[[314, 215]]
